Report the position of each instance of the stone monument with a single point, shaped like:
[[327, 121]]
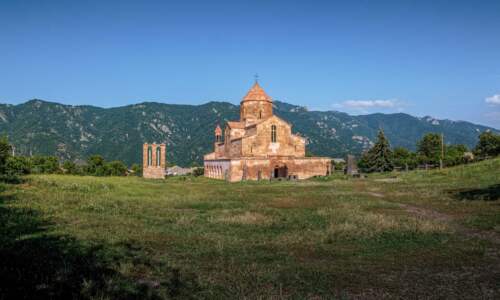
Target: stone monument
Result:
[[352, 166]]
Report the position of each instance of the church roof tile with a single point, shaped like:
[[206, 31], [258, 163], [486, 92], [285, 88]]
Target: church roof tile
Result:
[[257, 93]]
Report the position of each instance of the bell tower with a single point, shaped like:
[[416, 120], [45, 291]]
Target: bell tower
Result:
[[256, 105], [218, 134]]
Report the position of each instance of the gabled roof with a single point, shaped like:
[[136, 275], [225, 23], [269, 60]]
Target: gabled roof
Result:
[[272, 117], [256, 93], [236, 125]]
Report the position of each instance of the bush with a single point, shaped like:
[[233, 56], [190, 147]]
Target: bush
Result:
[[45, 164], [198, 172], [18, 165], [11, 178], [70, 167], [95, 166], [115, 168], [403, 157], [338, 166], [137, 170]]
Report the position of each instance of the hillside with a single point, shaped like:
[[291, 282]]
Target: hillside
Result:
[[75, 132]]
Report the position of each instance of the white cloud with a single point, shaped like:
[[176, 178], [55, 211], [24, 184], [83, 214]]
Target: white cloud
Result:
[[365, 104], [495, 99]]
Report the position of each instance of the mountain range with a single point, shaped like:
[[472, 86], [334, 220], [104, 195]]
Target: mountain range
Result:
[[76, 132]]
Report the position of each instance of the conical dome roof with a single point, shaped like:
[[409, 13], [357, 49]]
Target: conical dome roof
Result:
[[256, 93]]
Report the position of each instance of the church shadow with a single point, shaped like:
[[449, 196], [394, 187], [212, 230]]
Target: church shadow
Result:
[[37, 264], [489, 193]]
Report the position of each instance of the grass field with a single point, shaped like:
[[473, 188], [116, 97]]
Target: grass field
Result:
[[425, 234]]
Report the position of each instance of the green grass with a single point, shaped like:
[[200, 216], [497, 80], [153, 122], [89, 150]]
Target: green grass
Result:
[[105, 238]]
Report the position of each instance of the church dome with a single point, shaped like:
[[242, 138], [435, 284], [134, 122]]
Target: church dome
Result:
[[256, 93]]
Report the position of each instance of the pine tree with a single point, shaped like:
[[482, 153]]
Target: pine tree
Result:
[[380, 157]]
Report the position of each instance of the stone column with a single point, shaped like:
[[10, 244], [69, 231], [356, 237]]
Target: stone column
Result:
[[163, 151], [153, 154], [144, 156]]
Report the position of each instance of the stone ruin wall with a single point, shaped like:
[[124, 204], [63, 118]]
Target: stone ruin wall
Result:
[[154, 171]]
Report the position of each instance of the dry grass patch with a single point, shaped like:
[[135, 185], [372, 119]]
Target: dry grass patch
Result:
[[292, 203], [355, 223], [247, 218], [185, 220]]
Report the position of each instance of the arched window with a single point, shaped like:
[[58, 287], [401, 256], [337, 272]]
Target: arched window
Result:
[[158, 156], [273, 133], [150, 156]]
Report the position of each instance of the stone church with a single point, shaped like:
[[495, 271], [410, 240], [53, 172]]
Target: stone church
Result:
[[261, 146]]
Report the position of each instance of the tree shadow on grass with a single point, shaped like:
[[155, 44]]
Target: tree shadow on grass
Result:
[[38, 265], [490, 193]]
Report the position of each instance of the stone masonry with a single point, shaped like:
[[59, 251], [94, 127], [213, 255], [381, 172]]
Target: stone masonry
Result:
[[153, 161], [261, 146]]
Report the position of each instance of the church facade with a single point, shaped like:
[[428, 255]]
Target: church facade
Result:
[[261, 146]]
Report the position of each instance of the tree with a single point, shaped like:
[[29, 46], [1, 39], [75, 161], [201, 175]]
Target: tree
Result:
[[488, 145], [116, 168], [380, 157], [429, 148], [96, 166], [455, 155], [71, 168], [5, 152], [137, 169], [403, 158], [45, 164], [338, 165], [18, 165]]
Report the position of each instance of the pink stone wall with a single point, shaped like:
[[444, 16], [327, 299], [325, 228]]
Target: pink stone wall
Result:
[[154, 170]]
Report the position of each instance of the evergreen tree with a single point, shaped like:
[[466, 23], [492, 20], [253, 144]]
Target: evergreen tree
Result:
[[380, 157]]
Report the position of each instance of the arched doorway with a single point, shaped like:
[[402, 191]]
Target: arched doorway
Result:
[[280, 171]]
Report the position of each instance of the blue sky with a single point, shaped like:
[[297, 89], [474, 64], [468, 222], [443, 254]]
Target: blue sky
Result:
[[438, 58]]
